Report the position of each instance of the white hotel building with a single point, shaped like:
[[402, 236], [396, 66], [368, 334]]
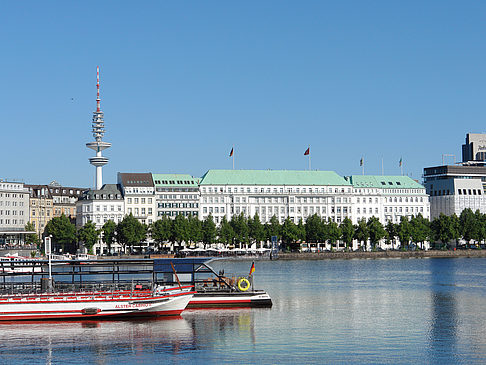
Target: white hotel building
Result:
[[300, 194], [14, 212], [388, 198]]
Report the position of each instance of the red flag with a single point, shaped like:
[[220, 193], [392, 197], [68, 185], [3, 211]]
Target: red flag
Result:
[[231, 153], [307, 151]]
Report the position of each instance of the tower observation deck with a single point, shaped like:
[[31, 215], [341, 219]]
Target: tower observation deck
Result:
[[98, 128]]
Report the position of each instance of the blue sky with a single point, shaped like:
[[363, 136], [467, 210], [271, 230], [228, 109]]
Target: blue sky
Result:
[[184, 81]]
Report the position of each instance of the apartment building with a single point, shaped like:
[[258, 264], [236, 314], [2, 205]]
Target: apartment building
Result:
[[139, 195], [14, 212]]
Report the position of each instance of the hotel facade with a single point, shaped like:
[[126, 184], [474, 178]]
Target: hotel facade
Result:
[[300, 194]]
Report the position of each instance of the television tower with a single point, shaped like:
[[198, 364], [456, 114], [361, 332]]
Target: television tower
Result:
[[98, 132]]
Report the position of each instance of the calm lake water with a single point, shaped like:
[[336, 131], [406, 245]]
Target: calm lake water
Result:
[[348, 311]]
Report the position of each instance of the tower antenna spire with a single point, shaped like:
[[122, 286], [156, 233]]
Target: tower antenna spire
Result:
[[98, 129], [98, 100]]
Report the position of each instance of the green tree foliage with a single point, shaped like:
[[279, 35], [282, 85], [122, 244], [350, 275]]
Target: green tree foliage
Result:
[[290, 233], [239, 224], [469, 225], [445, 228], [225, 232], [404, 232], [347, 232], [420, 229], [333, 232], [481, 231], [257, 230], [130, 231], [375, 230], [301, 230], [180, 229], [209, 231], [273, 229], [195, 227], [63, 233], [313, 228], [32, 238], [161, 230], [89, 235], [109, 233], [391, 231], [361, 233]]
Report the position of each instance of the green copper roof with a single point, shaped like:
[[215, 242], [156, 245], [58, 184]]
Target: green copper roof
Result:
[[272, 177], [174, 180], [383, 182]]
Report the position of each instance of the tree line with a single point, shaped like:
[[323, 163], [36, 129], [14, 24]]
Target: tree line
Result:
[[240, 230]]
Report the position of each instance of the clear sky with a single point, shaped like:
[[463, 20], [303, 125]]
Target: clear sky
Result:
[[182, 82]]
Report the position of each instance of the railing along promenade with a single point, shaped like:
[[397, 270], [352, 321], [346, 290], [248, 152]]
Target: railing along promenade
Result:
[[380, 254]]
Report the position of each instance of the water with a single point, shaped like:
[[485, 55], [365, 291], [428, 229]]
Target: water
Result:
[[388, 311]]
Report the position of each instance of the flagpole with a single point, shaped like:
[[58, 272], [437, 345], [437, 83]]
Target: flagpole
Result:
[[382, 167], [233, 156], [309, 159]]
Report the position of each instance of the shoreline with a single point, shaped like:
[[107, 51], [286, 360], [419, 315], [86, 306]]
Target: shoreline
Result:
[[379, 255]]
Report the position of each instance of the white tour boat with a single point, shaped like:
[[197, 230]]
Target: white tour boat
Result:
[[95, 305]]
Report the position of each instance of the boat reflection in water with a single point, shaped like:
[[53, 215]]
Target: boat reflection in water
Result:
[[109, 341], [24, 342]]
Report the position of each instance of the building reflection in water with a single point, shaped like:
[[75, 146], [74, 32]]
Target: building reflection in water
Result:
[[222, 324], [442, 336]]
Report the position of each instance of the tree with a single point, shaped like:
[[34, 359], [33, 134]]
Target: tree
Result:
[[481, 231], [239, 224], [361, 232], [392, 231], [420, 229], [289, 232], [257, 230], [161, 230], [347, 232], [225, 232], [180, 229], [313, 228], [63, 233], [32, 238], [301, 230], [89, 235], [445, 228], [273, 229], [404, 231], [468, 224], [108, 233], [333, 232], [130, 231], [209, 231], [375, 230], [195, 229]]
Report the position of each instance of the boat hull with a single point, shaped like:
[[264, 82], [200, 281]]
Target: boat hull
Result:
[[230, 299], [101, 307]]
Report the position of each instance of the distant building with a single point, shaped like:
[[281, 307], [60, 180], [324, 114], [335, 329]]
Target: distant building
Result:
[[99, 206], [455, 188], [41, 204], [139, 195], [474, 150], [14, 212], [176, 194], [388, 198], [279, 193], [64, 199]]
